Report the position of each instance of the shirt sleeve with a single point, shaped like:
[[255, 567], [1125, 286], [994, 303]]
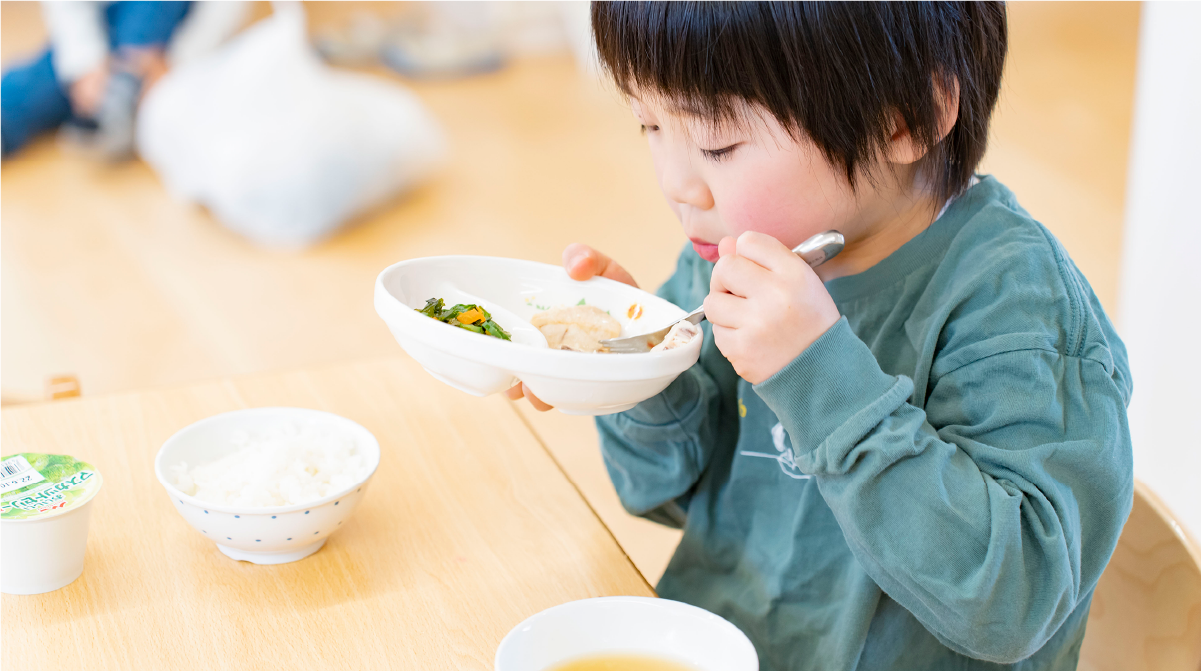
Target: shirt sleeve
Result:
[[991, 511], [78, 39], [656, 452]]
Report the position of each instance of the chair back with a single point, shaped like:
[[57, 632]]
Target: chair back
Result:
[[1146, 611]]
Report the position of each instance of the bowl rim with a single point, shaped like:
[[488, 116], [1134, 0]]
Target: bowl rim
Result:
[[679, 606], [534, 360], [174, 491]]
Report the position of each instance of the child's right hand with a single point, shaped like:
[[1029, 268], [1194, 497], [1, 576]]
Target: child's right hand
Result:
[[581, 262]]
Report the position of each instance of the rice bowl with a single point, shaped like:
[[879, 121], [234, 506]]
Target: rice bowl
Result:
[[272, 534]]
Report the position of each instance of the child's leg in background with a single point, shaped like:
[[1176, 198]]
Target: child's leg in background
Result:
[[144, 24], [34, 101], [138, 33], [31, 102]]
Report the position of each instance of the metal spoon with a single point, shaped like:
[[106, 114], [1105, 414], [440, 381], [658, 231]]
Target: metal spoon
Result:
[[815, 251]]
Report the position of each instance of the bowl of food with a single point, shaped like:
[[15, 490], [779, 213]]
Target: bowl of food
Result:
[[481, 323], [628, 633], [268, 485]]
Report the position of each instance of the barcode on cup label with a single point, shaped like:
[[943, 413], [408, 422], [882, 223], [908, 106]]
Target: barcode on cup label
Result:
[[15, 466], [17, 473]]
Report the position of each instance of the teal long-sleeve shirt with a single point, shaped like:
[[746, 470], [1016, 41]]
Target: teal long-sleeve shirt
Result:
[[936, 483]]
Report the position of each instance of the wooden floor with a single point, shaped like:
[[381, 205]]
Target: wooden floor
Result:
[[107, 278]]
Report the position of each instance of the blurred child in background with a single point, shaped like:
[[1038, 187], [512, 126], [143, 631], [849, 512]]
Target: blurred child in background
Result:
[[102, 58]]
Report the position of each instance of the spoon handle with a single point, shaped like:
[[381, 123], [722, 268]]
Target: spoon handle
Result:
[[820, 248]]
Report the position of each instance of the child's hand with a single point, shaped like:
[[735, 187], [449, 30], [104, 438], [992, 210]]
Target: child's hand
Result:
[[518, 390], [87, 92], [581, 262], [766, 305]]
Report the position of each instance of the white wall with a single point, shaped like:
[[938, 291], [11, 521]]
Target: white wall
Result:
[[1160, 300], [519, 27], [535, 27]]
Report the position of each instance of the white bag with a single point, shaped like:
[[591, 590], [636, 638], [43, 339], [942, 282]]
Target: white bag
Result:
[[280, 147]]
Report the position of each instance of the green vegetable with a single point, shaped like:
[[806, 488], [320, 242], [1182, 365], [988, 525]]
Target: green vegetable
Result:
[[476, 318], [495, 331]]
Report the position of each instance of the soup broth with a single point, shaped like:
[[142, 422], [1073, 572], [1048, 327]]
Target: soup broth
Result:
[[622, 663]]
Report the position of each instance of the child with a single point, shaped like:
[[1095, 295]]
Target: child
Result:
[[90, 78], [916, 456]]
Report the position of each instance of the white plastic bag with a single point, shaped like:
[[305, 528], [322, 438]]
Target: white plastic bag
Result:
[[280, 147]]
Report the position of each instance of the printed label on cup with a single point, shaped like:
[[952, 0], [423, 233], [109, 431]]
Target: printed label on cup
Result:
[[36, 485], [18, 473]]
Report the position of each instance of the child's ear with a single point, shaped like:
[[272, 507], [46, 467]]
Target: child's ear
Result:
[[902, 149]]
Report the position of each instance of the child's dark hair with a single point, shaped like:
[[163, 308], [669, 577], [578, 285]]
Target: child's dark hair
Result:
[[838, 72]]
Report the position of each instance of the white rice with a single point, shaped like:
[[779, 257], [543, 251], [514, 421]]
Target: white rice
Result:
[[286, 465]]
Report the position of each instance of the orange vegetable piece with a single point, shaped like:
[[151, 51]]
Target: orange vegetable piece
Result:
[[470, 317]]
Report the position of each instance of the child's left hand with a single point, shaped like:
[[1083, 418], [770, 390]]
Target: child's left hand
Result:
[[766, 305]]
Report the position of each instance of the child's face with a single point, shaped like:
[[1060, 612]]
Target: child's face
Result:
[[754, 177]]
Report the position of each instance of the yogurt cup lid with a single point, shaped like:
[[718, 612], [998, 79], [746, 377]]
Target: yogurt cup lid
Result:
[[37, 486]]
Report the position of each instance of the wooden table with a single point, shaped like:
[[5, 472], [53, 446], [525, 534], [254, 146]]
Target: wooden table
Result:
[[469, 527]]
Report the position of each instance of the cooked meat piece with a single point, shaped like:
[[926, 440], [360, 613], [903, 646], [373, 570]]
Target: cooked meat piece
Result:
[[554, 334], [579, 328], [681, 334]]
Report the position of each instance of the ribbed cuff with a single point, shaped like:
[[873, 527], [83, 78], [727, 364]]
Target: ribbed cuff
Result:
[[824, 387]]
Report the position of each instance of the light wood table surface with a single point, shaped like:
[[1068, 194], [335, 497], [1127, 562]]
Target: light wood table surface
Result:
[[468, 528]]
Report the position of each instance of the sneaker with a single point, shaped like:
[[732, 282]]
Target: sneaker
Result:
[[109, 134]]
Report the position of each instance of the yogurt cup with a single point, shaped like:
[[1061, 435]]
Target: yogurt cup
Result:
[[45, 505]]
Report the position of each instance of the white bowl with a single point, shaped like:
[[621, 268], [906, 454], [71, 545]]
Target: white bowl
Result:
[[626, 625], [514, 291], [262, 535]]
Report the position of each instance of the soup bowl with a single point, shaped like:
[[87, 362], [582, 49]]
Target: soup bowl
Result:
[[640, 626]]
